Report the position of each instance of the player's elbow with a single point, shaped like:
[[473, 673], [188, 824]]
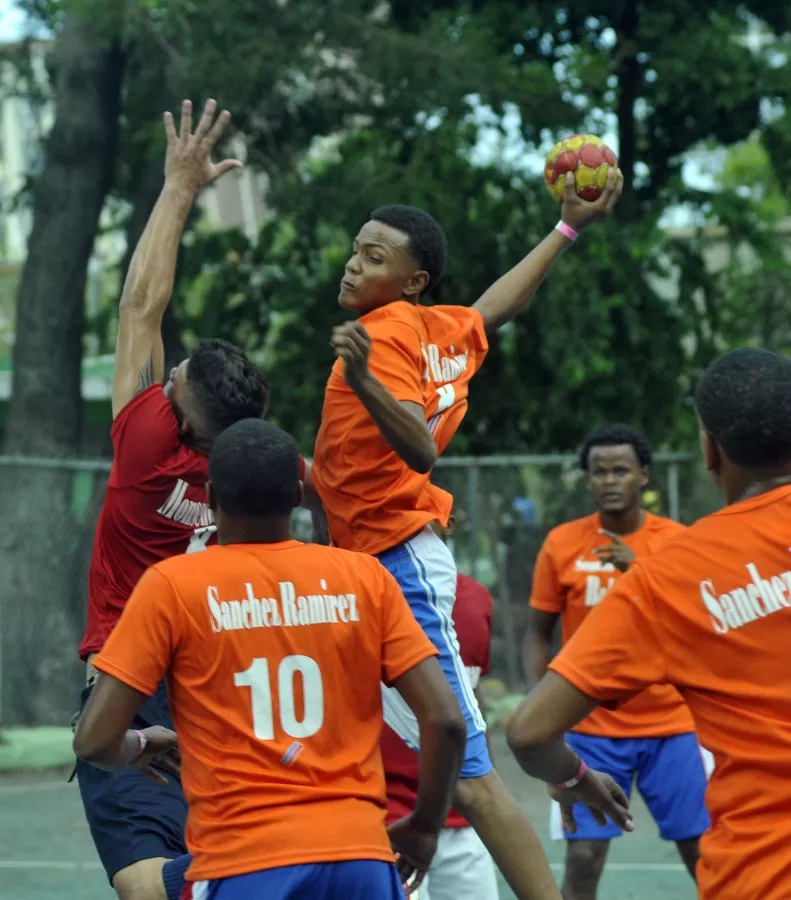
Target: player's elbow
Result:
[[447, 724], [424, 458], [87, 745], [525, 732]]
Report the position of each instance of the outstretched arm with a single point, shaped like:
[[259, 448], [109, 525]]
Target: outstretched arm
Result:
[[509, 295], [139, 353]]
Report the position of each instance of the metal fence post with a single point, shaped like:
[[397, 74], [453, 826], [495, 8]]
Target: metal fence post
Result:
[[673, 500], [472, 516]]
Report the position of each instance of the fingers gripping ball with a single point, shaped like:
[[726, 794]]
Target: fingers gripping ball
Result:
[[588, 157]]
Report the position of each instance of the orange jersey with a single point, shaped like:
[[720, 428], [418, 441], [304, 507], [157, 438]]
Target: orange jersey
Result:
[[710, 613], [274, 655], [570, 580], [426, 355]]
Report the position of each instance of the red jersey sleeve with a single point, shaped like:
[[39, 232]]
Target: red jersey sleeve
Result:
[[617, 650], [404, 644], [396, 359], [546, 595], [145, 435], [139, 650]]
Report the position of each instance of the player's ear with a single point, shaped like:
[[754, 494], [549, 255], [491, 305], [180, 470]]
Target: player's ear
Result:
[[451, 525], [645, 475], [417, 284], [300, 495], [712, 456], [210, 498]]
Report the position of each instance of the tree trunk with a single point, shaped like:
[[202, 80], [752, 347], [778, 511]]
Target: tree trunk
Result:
[[627, 69], [37, 552]]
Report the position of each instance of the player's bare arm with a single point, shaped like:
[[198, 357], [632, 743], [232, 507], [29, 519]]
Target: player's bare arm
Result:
[[537, 645], [443, 735], [509, 295], [401, 423], [535, 737], [312, 502], [103, 737], [139, 352]]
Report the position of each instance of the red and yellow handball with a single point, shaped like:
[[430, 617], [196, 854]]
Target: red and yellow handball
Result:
[[588, 157]]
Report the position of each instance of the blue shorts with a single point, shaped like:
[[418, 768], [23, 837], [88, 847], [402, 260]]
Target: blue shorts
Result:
[[426, 572], [131, 818], [361, 879], [670, 778]]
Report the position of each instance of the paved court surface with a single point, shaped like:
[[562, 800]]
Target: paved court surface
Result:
[[46, 851]]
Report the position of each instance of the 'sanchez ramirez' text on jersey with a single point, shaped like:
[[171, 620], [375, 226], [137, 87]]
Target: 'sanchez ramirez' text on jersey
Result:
[[155, 508]]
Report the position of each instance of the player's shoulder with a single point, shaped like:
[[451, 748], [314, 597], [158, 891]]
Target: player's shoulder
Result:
[[361, 566], [570, 534], [186, 566], [394, 319], [150, 403], [664, 526]]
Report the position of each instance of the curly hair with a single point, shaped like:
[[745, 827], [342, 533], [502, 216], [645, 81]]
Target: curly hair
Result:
[[226, 385], [613, 435], [254, 470], [427, 243], [744, 402]]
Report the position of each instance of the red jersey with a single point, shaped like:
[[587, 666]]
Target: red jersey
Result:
[[155, 508], [472, 616]]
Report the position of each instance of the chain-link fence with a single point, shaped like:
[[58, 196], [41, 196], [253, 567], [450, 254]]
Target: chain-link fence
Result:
[[504, 508]]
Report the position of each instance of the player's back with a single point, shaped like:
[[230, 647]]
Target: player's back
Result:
[[723, 603], [422, 355], [155, 508], [275, 692]]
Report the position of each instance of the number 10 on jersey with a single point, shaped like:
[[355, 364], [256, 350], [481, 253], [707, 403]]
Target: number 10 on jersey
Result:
[[257, 679]]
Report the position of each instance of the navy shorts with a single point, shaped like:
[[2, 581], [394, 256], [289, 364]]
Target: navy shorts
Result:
[[670, 777], [362, 879], [131, 818]]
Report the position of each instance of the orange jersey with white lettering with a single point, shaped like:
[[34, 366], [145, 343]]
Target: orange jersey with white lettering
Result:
[[273, 655], [711, 613], [570, 580], [425, 355]]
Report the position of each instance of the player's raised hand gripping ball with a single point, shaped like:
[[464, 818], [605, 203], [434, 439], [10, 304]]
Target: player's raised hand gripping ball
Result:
[[587, 157], [589, 197]]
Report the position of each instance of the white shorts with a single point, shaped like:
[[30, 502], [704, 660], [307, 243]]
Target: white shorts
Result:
[[461, 869]]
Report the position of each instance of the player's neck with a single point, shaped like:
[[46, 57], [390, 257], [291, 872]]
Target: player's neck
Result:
[[759, 484], [625, 522], [254, 531]]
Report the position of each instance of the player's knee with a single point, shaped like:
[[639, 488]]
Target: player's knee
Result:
[[141, 881], [584, 865]]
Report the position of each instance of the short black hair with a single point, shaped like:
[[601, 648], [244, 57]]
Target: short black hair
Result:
[[744, 402], [227, 386], [427, 242], [254, 470], [612, 435]]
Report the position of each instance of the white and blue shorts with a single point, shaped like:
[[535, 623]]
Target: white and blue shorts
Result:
[[426, 571]]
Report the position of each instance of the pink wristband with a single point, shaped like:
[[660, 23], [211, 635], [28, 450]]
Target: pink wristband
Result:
[[573, 782], [140, 750], [567, 231]]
